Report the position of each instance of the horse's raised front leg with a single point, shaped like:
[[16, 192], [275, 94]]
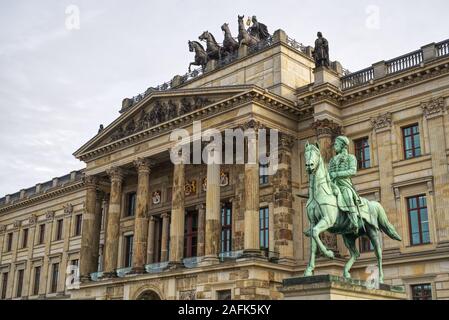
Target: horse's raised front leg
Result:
[[349, 241], [316, 231]]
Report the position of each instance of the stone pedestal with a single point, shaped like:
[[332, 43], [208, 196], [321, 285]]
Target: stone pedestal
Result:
[[327, 287]]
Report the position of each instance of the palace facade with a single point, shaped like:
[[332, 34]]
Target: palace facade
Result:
[[133, 225]]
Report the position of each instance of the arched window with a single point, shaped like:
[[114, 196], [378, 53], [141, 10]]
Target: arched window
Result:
[[149, 295]]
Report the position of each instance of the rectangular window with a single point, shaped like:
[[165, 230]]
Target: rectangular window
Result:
[[4, 284], [224, 295], [418, 220], [19, 283], [37, 280], [263, 174], [41, 234], [128, 250], [264, 227], [226, 228], [422, 291], [9, 242], [54, 277], [78, 224], [131, 204], [59, 227], [25, 238], [362, 153], [191, 234], [412, 144], [365, 245]]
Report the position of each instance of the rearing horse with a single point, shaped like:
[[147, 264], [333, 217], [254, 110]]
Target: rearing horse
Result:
[[200, 55], [213, 48], [324, 215]]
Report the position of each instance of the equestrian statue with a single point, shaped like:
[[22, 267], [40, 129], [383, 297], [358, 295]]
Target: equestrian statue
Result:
[[200, 55], [333, 205]]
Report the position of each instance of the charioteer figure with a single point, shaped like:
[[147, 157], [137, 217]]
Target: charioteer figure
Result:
[[258, 30], [342, 167]]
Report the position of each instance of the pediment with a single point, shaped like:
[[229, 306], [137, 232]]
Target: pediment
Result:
[[158, 110]]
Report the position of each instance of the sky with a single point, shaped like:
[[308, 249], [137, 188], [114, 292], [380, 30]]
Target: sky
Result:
[[65, 66]]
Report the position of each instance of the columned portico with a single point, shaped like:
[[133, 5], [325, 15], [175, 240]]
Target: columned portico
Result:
[[177, 215], [141, 219], [113, 221], [212, 234], [90, 240], [251, 219]]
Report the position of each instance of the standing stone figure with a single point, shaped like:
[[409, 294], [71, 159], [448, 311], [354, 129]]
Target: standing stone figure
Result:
[[258, 30], [321, 52], [342, 167]]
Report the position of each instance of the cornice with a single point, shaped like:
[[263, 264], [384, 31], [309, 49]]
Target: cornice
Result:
[[40, 197]]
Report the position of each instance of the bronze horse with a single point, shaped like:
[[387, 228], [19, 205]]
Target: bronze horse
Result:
[[200, 55], [230, 45], [244, 37], [213, 50]]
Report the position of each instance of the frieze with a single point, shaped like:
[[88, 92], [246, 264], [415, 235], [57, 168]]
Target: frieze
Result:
[[161, 111], [187, 295], [434, 107]]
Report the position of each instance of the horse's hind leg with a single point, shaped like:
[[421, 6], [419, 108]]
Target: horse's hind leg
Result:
[[349, 241], [374, 237]]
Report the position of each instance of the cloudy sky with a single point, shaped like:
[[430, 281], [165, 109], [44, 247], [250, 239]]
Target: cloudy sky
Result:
[[58, 82]]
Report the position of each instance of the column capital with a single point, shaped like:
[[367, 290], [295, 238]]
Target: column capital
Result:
[[286, 141], [152, 218], [434, 108], [326, 127], [143, 165], [90, 181], [165, 215], [201, 206], [252, 124], [116, 173], [382, 122]]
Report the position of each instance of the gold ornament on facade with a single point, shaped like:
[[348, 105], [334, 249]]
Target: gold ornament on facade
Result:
[[190, 188]]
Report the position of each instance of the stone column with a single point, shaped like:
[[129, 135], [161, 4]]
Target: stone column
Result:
[[212, 235], [151, 231], [434, 112], [141, 219], [326, 132], [201, 229], [113, 221], [251, 219], [382, 128], [283, 201], [177, 216], [165, 236], [90, 230]]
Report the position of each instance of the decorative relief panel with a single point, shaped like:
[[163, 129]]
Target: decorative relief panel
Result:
[[382, 122], [190, 188], [156, 198], [434, 107]]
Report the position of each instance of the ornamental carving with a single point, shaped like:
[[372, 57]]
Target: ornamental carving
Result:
[[434, 107], [2, 228], [50, 215], [327, 127], [252, 124], [17, 224], [187, 295], [156, 198], [32, 220], [190, 188], [224, 180], [383, 121], [68, 209], [115, 173], [160, 112], [90, 181], [286, 141], [143, 165]]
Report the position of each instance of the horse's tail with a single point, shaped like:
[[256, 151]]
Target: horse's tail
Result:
[[385, 225]]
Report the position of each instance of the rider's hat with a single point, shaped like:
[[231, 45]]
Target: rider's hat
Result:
[[343, 139]]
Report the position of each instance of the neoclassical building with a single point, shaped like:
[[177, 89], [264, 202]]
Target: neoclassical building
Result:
[[134, 225]]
